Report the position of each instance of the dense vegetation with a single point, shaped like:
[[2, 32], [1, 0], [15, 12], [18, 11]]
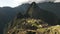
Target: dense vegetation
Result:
[[32, 26]]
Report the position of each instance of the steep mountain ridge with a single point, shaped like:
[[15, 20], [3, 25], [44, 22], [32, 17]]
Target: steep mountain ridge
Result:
[[33, 19], [7, 15]]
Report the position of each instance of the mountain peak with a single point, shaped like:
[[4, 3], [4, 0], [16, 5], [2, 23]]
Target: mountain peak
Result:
[[33, 3], [32, 9]]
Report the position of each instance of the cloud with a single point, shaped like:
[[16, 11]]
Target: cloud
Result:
[[19, 2], [14, 3], [37, 1], [11, 3], [50, 0], [57, 1]]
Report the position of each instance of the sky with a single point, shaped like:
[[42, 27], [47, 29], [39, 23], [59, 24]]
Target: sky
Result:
[[14, 3]]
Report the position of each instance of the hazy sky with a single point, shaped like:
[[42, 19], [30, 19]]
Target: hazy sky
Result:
[[14, 3]]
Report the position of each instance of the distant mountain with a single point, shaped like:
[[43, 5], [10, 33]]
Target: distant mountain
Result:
[[52, 7], [49, 6], [8, 13]]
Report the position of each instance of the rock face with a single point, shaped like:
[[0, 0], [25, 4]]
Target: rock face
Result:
[[33, 19]]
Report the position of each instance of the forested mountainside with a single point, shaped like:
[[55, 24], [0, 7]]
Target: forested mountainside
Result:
[[35, 20], [8, 13]]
